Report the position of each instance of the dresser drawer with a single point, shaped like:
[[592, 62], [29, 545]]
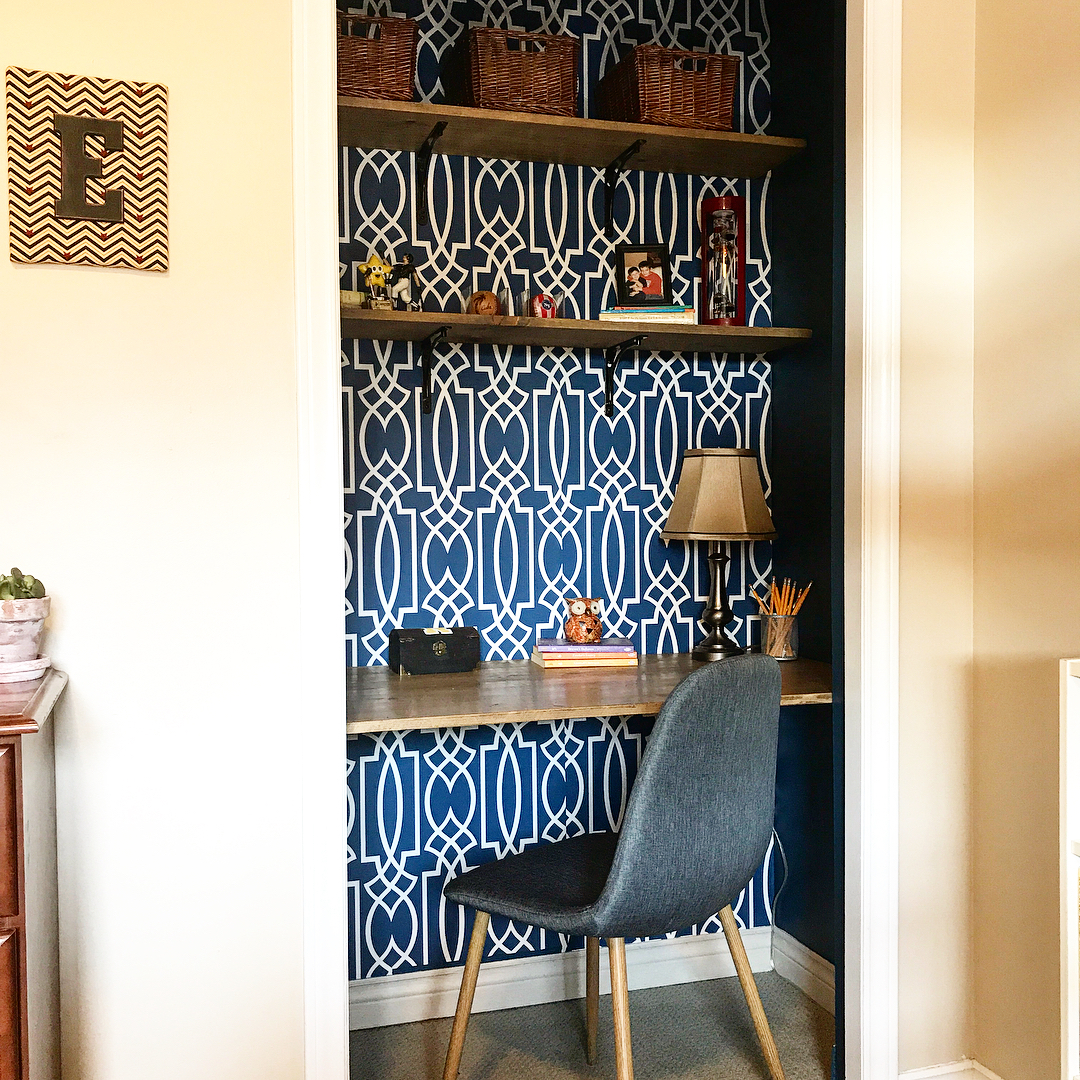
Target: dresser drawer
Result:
[[10, 1006], [9, 831]]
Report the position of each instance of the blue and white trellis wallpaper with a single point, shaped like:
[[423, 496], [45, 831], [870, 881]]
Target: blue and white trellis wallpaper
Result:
[[517, 490]]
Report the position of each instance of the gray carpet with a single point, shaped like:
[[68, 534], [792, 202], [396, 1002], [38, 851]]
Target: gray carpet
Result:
[[697, 1031]]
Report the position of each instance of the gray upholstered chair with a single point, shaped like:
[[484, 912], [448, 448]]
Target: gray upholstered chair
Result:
[[696, 827]]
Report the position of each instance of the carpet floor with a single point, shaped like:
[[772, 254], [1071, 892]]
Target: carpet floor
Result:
[[696, 1031]]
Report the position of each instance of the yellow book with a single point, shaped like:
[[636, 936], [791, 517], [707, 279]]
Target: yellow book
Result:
[[584, 661]]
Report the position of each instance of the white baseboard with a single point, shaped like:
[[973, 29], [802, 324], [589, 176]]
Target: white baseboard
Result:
[[812, 974], [964, 1069], [533, 980]]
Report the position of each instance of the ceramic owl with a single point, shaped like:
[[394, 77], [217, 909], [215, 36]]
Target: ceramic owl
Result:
[[583, 623]]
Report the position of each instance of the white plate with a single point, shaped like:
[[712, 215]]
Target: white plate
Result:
[[24, 670]]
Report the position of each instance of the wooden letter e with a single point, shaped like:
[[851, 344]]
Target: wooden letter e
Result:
[[76, 167]]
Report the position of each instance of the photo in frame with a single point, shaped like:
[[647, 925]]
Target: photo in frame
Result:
[[643, 275]]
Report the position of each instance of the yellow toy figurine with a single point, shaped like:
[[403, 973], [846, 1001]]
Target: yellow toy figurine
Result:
[[375, 271]]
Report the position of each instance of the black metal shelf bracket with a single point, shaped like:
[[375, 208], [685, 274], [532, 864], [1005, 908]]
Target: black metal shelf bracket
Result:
[[427, 353], [612, 355], [422, 167], [612, 175]]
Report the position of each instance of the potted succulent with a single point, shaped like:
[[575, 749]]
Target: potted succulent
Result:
[[23, 609]]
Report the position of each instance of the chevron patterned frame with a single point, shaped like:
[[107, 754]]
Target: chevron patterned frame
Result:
[[118, 176]]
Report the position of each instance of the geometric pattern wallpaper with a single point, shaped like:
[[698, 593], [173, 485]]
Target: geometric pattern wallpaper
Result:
[[424, 806], [516, 490]]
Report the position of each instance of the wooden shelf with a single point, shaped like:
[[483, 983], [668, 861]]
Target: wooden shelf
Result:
[[562, 140], [360, 323], [515, 691]]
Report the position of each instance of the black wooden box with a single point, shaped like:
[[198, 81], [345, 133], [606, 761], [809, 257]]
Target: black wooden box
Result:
[[434, 650]]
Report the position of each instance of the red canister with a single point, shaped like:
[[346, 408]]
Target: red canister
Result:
[[543, 306]]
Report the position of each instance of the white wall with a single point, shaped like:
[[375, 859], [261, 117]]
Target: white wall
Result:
[[1027, 511], [151, 467], [937, 343]]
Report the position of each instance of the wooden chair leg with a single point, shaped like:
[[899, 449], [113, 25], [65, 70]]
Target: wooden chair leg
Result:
[[753, 998], [620, 1007], [592, 996], [465, 995]]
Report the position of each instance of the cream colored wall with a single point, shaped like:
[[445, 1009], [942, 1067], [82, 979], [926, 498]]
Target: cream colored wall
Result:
[[1027, 510], [936, 532], [150, 465]]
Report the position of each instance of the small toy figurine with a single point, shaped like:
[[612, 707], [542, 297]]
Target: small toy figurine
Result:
[[483, 303], [543, 306], [375, 272], [405, 285], [583, 624]]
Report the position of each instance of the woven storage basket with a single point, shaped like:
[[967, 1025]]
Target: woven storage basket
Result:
[[654, 85], [376, 57], [510, 69]]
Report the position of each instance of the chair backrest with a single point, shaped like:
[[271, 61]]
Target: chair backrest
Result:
[[700, 813]]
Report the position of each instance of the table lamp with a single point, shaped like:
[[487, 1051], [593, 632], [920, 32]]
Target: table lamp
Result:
[[718, 497]]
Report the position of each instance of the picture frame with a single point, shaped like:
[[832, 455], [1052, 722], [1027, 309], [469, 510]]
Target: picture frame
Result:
[[643, 275]]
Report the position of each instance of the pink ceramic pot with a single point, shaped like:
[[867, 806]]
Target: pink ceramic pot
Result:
[[22, 623]]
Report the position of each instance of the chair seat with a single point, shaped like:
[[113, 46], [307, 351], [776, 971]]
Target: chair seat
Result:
[[552, 886]]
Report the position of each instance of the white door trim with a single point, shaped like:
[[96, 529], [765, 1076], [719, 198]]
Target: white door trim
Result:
[[320, 735], [1069, 871], [871, 538], [871, 543]]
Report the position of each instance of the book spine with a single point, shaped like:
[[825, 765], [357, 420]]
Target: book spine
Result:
[[587, 663], [623, 661], [651, 316], [588, 650], [588, 656], [679, 309]]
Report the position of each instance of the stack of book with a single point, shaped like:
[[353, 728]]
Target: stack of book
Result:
[[651, 313], [607, 652]]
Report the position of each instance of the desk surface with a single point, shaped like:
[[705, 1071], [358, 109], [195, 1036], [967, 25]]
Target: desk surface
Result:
[[515, 691]]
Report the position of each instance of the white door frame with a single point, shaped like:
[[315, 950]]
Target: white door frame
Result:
[[1069, 869], [871, 538], [320, 733]]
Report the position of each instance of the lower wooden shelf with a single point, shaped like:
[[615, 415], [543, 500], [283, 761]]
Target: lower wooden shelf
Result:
[[515, 691], [357, 322]]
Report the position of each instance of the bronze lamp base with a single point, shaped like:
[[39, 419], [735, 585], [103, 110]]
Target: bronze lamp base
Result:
[[718, 643]]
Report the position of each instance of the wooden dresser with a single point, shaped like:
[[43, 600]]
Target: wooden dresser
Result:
[[29, 939]]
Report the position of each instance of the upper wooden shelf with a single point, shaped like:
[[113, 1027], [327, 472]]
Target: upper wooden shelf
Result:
[[561, 140], [360, 323], [516, 691]]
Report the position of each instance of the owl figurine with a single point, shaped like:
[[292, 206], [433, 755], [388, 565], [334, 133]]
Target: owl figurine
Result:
[[583, 623]]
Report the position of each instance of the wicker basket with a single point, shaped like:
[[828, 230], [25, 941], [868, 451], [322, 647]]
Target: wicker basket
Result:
[[376, 57], [510, 69], [653, 85]]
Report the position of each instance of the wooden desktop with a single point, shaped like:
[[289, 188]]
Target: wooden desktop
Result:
[[515, 691]]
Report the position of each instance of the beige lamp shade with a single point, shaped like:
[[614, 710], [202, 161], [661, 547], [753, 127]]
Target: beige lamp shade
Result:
[[719, 497]]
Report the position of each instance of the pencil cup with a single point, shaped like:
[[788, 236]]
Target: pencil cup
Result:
[[780, 636]]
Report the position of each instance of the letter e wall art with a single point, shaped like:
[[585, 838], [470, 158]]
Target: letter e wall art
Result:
[[88, 170]]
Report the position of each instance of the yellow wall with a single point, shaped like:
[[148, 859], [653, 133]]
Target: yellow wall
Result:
[[153, 421], [936, 532], [1027, 510]]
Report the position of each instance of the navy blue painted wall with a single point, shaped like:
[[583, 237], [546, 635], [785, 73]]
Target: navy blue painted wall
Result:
[[807, 230]]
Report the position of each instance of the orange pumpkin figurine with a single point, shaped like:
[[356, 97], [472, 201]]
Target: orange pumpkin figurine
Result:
[[583, 623]]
